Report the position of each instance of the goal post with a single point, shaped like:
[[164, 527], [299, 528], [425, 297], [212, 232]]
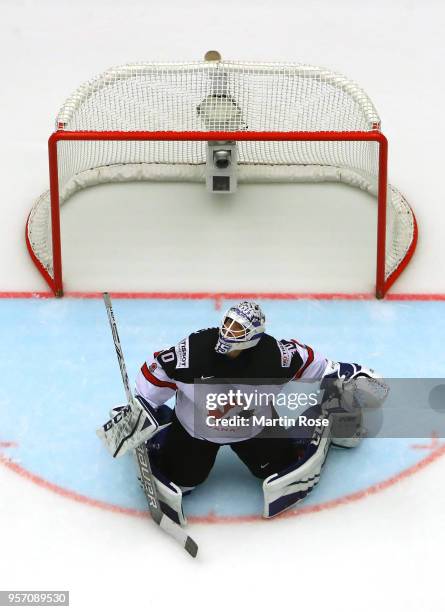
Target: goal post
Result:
[[141, 122]]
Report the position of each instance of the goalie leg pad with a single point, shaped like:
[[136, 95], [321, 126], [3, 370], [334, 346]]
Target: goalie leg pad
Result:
[[283, 490], [170, 497]]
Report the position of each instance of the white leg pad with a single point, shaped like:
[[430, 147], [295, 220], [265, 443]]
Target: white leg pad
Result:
[[284, 490], [170, 498]]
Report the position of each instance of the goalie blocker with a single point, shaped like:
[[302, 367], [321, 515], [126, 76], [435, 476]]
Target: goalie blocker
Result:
[[146, 423]]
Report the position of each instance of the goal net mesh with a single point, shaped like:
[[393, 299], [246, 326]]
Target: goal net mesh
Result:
[[219, 96]]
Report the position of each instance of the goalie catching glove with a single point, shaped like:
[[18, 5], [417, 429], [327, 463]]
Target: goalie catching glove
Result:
[[131, 425], [352, 392], [357, 387]]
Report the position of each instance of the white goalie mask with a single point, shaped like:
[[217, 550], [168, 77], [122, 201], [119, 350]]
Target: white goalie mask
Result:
[[242, 327]]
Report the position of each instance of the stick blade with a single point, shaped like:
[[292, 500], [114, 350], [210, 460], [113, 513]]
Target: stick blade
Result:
[[177, 532], [191, 546]]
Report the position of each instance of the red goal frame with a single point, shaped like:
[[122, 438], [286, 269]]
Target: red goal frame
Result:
[[381, 284]]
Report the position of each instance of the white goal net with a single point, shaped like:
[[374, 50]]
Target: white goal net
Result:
[[152, 121]]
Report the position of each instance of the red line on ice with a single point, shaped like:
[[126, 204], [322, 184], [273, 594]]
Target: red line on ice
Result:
[[212, 518], [46, 484], [219, 296], [434, 443]]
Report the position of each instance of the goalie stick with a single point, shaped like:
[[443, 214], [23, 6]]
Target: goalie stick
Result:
[[142, 458]]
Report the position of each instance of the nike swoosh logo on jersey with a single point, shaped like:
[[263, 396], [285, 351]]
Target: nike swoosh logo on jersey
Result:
[[205, 377]]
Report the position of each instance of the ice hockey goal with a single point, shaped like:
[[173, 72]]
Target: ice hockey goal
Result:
[[152, 121]]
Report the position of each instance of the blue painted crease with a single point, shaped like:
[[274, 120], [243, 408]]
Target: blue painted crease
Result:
[[60, 379]]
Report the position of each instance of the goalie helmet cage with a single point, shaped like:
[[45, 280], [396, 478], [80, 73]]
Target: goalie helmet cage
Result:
[[151, 121]]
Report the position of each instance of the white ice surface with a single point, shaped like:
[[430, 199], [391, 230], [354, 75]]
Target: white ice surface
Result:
[[384, 553], [180, 239]]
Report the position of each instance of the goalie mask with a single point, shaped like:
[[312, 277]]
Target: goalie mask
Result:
[[242, 327]]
